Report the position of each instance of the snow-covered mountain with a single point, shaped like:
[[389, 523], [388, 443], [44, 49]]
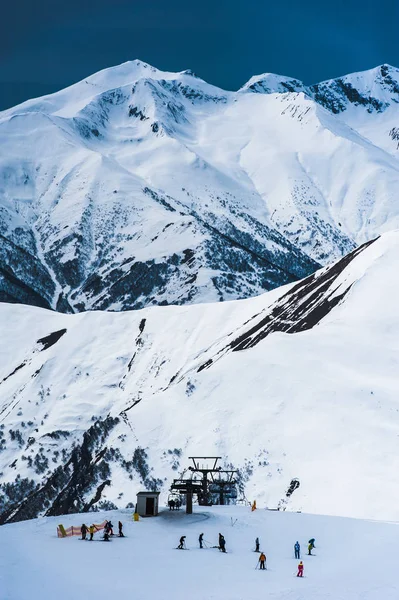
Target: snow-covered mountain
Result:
[[137, 187], [357, 96], [300, 382]]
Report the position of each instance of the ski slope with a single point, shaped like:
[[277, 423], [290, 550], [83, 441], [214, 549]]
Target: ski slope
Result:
[[354, 559]]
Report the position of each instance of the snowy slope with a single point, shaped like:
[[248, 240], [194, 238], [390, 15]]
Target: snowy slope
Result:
[[299, 382], [354, 559], [368, 102], [137, 187]]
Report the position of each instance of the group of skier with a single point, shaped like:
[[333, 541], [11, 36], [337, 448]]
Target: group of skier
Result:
[[84, 529], [108, 531], [297, 551], [201, 541], [262, 556]]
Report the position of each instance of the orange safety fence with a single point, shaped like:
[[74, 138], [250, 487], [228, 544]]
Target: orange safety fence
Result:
[[73, 530]]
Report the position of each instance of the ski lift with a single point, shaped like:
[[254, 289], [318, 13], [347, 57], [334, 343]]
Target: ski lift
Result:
[[174, 501]]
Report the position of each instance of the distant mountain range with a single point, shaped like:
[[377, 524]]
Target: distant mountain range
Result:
[[137, 187]]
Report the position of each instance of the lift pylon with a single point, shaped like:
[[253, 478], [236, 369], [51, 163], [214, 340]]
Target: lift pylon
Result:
[[210, 477]]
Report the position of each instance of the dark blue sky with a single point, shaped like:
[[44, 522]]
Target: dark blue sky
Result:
[[46, 45]]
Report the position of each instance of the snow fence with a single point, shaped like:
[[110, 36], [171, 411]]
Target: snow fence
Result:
[[73, 530]]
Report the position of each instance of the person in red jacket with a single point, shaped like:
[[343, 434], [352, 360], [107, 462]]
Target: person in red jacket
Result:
[[300, 570]]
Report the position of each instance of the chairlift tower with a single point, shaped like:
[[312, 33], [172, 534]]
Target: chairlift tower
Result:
[[210, 475]]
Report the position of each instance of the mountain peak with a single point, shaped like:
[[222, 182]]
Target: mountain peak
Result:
[[190, 73], [270, 83], [375, 74], [374, 89]]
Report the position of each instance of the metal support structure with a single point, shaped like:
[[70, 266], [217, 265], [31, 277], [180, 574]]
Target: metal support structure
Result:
[[210, 483], [189, 503]]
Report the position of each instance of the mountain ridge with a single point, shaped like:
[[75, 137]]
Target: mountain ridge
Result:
[[383, 70], [137, 187]]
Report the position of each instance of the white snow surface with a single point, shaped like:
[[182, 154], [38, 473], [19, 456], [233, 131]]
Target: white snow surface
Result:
[[135, 166], [353, 559], [321, 405]]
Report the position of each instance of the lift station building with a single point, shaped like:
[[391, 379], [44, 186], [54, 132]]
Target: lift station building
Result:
[[147, 504]]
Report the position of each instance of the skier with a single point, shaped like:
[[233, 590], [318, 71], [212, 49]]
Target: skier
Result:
[[106, 535], [257, 545], [120, 529], [171, 505], [310, 548], [300, 570], [262, 560], [297, 550], [312, 541], [201, 539], [83, 530], [91, 531], [222, 543], [110, 528], [182, 543]]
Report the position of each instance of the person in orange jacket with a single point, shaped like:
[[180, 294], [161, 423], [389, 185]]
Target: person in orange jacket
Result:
[[262, 560], [300, 570]]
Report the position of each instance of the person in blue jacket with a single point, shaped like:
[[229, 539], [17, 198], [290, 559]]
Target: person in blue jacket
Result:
[[297, 550]]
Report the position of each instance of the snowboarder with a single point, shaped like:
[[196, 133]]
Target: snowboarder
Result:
[[91, 531], [300, 570], [297, 550], [312, 541], [182, 543], [120, 529], [106, 535], [110, 528], [171, 505], [257, 545], [310, 548], [83, 531], [201, 540], [222, 543], [262, 560]]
